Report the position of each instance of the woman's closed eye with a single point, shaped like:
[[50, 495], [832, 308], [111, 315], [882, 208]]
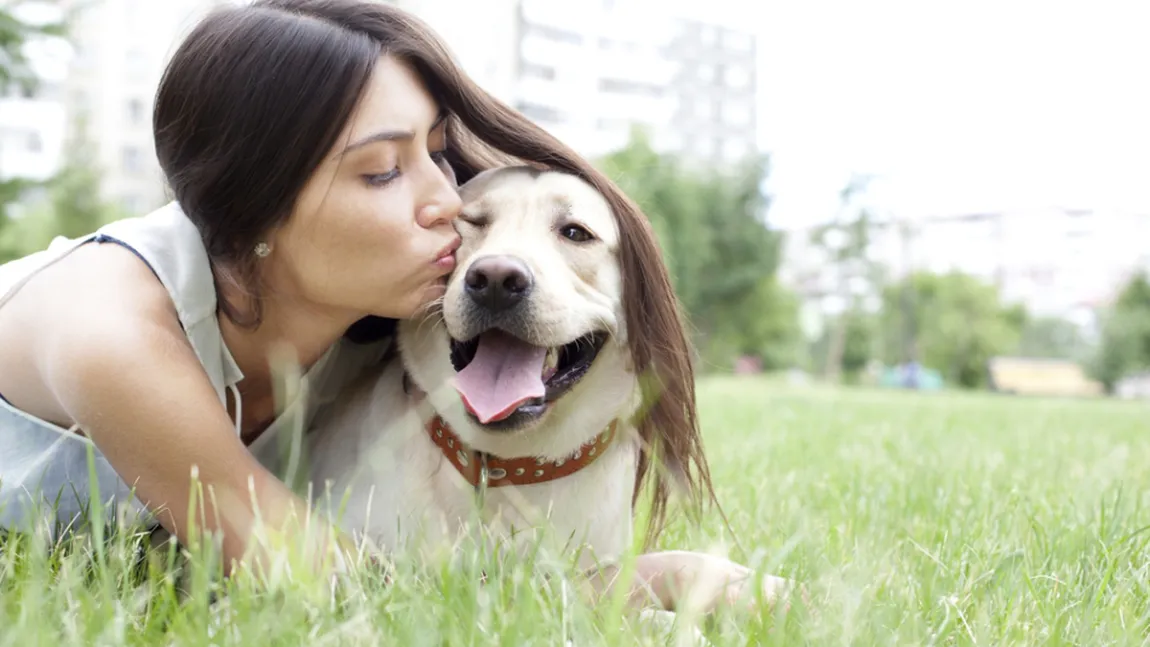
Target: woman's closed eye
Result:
[[380, 180]]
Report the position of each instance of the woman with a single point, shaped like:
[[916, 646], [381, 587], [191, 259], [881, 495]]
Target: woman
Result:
[[313, 148]]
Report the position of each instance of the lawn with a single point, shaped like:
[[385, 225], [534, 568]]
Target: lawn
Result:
[[914, 520]]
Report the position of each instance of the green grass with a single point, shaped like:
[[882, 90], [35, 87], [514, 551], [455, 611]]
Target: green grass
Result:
[[946, 519]]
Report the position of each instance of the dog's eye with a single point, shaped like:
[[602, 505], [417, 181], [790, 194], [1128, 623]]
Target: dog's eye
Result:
[[474, 220], [575, 233]]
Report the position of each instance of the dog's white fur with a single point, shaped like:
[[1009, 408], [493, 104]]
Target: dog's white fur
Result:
[[402, 492]]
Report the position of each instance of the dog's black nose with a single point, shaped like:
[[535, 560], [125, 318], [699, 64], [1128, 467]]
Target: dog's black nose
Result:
[[498, 282]]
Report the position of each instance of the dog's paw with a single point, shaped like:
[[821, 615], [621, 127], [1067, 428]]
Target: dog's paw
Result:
[[664, 624], [772, 592]]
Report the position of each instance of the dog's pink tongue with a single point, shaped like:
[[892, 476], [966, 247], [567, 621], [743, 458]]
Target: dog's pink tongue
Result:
[[505, 373]]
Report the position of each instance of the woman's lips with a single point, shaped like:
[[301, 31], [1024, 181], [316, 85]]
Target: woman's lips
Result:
[[445, 259]]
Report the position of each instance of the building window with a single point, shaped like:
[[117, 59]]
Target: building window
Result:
[[669, 140], [132, 204], [136, 64], [628, 87], [554, 33], [605, 123], [79, 101], [707, 34], [133, 160], [704, 147], [738, 41], [46, 90], [703, 110], [736, 77], [535, 71], [539, 113], [686, 107], [613, 45], [736, 114], [734, 150], [135, 111]]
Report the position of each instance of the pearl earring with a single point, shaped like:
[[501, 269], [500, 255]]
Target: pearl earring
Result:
[[262, 250]]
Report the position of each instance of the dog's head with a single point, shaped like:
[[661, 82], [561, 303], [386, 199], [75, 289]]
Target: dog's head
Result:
[[533, 322], [559, 318]]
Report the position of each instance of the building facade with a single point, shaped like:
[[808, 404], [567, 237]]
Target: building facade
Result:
[[122, 47], [33, 117], [587, 72], [1058, 262]]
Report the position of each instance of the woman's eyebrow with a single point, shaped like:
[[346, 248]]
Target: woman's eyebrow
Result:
[[391, 135]]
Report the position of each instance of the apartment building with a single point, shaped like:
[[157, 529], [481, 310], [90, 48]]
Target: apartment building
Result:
[[122, 47], [588, 72]]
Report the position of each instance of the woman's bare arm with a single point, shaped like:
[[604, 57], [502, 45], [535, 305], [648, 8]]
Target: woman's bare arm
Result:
[[112, 358]]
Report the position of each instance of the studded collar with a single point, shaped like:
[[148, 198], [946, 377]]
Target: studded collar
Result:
[[482, 470]]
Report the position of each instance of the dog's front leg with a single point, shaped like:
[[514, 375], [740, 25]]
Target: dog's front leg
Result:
[[678, 580]]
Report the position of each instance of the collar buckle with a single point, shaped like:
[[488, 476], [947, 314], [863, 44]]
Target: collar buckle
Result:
[[484, 477]]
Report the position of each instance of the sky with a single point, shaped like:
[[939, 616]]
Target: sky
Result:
[[953, 107]]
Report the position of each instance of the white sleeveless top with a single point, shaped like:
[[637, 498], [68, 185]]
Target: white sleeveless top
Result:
[[45, 476]]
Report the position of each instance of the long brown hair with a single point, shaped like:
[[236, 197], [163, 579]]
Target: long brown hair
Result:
[[253, 81]]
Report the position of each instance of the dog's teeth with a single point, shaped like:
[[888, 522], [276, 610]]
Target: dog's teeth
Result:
[[550, 363]]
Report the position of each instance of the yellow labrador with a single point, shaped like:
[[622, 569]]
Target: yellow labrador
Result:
[[511, 414]]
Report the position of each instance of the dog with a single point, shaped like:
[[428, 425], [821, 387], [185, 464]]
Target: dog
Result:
[[516, 407]]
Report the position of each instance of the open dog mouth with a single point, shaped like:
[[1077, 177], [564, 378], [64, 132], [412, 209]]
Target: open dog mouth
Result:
[[506, 382]]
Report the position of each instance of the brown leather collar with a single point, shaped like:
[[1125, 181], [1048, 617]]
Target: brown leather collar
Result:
[[477, 467]]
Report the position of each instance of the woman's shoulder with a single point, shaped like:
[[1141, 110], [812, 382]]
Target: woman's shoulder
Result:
[[88, 282], [94, 300], [159, 255], [123, 269]]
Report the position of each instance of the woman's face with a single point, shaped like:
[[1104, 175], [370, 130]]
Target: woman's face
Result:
[[372, 231]]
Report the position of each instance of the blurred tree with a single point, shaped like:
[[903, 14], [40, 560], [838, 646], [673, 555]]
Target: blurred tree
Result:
[[15, 34], [16, 71], [721, 254], [859, 330], [959, 321], [846, 243], [10, 192], [73, 207], [858, 343], [74, 192], [764, 324], [1053, 338], [1125, 344]]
